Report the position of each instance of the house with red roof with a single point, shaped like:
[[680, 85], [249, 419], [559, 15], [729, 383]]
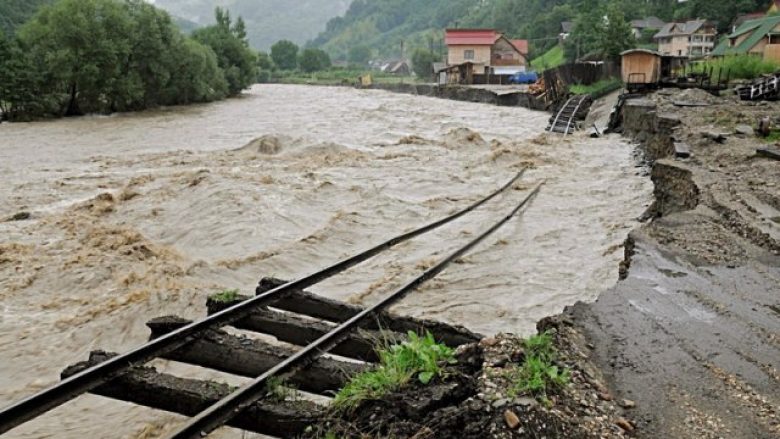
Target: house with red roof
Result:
[[487, 50]]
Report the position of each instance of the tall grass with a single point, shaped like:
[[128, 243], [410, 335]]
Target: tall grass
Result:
[[549, 60], [739, 66]]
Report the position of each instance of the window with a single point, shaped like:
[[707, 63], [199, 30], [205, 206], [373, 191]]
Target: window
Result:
[[468, 54], [774, 38]]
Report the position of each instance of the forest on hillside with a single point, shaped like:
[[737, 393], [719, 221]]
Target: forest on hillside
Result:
[[387, 26]]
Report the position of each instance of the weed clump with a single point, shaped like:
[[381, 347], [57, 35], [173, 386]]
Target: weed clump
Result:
[[278, 389], [225, 296], [419, 358], [538, 373]]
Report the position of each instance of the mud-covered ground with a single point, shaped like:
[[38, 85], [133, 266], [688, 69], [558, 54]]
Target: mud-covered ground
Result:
[[693, 332], [125, 218]]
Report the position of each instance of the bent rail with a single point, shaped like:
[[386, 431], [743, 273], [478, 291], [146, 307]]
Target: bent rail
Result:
[[86, 380], [221, 412]]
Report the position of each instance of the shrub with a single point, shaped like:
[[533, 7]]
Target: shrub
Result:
[[739, 66]]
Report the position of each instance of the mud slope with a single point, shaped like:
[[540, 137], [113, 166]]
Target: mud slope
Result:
[[693, 332]]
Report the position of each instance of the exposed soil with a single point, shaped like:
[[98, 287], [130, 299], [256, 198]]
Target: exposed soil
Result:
[[474, 400], [691, 333]]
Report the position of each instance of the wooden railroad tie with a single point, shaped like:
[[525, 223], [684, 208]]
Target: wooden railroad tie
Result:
[[296, 319]]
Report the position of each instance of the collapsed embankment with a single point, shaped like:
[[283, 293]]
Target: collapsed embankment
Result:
[[690, 332], [467, 94]]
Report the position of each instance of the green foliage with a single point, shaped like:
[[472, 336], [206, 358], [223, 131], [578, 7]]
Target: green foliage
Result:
[[422, 63], [226, 296], [285, 54], [616, 34], [81, 56], [538, 374], [14, 13], [359, 55], [228, 41], [739, 66], [419, 358], [550, 60], [313, 60], [597, 89]]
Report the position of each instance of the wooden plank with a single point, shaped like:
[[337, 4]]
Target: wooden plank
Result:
[[247, 357], [306, 303], [145, 386], [292, 328]]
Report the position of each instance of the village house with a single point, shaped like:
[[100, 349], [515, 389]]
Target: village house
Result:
[[695, 38], [649, 23], [487, 50], [760, 37]]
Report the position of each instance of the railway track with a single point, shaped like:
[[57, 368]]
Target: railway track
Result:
[[280, 309], [565, 121]]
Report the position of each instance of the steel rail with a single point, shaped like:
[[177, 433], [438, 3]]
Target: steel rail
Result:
[[78, 384], [574, 114], [220, 412], [560, 112]]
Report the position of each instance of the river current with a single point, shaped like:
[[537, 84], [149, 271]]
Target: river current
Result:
[[135, 216]]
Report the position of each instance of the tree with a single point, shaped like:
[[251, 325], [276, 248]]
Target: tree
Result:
[[312, 60], [359, 54], [237, 61], [285, 54], [616, 34], [422, 61], [264, 61], [83, 44]]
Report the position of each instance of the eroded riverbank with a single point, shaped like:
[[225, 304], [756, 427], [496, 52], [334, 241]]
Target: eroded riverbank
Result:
[[135, 216], [691, 334]]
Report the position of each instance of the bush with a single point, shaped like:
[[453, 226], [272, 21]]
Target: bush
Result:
[[739, 66]]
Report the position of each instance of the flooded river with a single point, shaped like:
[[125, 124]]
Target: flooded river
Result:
[[141, 215]]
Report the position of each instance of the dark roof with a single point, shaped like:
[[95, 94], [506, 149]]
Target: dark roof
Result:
[[648, 23], [687, 28], [759, 29], [567, 26]]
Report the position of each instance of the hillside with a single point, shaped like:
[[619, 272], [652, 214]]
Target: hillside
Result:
[[13, 13], [267, 21], [383, 24]]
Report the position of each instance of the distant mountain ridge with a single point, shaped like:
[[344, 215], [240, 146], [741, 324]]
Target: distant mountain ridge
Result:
[[267, 21]]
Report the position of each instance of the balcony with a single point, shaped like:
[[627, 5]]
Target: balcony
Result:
[[499, 62]]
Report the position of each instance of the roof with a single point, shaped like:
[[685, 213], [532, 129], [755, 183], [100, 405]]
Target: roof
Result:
[[520, 45], [471, 37], [649, 23], [758, 29], [745, 17], [687, 28], [650, 52], [567, 26]]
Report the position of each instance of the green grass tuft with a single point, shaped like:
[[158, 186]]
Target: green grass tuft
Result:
[[419, 358], [538, 374], [225, 296], [597, 89]]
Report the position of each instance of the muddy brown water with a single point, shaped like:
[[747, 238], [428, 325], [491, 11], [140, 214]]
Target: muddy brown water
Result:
[[140, 215]]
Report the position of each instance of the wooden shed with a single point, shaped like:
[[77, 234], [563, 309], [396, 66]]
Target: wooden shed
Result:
[[641, 68]]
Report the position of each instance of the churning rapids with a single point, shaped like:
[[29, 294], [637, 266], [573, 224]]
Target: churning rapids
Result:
[[141, 215]]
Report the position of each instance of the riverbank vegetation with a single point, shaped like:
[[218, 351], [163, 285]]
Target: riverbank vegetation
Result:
[[739, 66], [418, 358], [101, 56]]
